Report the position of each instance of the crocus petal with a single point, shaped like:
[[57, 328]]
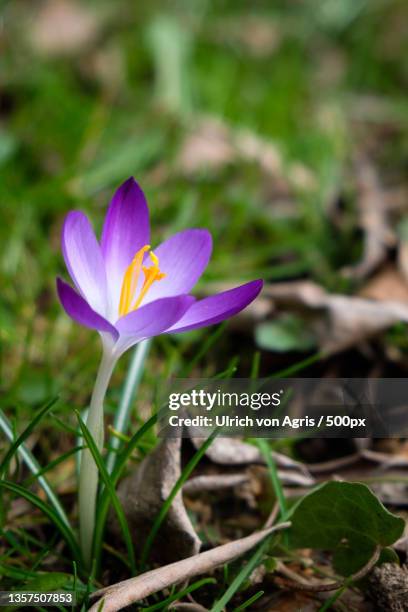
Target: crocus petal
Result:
[[79, 310], [216, 308], [83, 258], [183, 258], [125, 231], [154, 318]]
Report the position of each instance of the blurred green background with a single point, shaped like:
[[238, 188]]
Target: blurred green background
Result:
[[240, 117]]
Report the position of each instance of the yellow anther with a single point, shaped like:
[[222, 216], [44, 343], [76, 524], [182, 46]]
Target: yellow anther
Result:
[[154, 259], [131, 279], [152, 274]]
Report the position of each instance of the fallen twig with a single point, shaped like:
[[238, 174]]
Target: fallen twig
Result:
[[385, 460], [125, 593], [272, 516], [333, 464]]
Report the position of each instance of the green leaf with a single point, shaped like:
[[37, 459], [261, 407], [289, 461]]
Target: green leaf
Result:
[[346, 518], [288, 333], [270, 564]]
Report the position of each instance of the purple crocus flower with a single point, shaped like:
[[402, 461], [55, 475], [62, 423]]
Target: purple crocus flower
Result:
[[129, 293]]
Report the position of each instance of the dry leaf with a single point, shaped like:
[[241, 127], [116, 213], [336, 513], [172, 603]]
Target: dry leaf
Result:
[[207, 147], [142, 495], [287, 477], [258, 35], [129, 591], [232, 451], [401, 546], [392, 493], [361, 463], [258, 575], [63, 27], [253, 148], [288, 602], [106, 65], [338, 321], [378, 236], [212, 145], [214, 482], [387, 284]]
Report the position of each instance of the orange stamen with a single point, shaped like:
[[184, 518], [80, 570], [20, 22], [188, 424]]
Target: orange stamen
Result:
[[131, 278], [152, 274]]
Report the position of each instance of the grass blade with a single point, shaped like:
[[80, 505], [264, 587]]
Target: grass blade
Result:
[[210, 340], [249, 602], [31, 462], [297, 367], [50, 466], [110, 488], [23, 436], [273, 475], [333, 598], [241, 577], [65, 531]]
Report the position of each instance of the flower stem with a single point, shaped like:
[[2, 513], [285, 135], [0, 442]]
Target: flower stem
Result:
[[88, 474], [122, 415]]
